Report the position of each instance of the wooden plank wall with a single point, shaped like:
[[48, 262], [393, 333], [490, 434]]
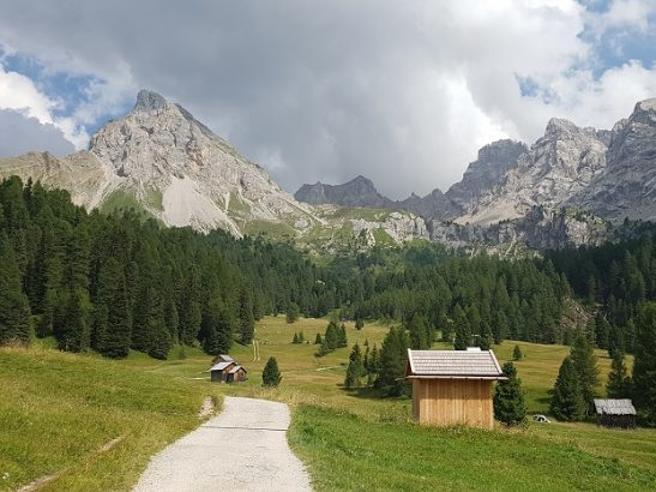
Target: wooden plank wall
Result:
[[448, 402]]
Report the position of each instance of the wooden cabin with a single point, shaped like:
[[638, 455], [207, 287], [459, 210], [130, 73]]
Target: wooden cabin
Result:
[[226, 370], [453, 387], [615, 413]]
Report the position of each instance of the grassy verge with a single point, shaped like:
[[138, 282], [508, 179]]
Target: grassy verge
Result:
[[345, 452], [88, 423]]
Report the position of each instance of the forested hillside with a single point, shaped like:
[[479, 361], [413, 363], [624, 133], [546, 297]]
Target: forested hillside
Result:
[[117, 282]]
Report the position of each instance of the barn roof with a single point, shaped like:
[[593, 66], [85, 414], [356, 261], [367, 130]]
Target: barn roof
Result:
[[223, 358], [453, 364], [235, 369], [614, 407], [221, 366]]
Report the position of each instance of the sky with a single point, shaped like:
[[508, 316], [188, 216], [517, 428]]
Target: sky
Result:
[[404, 93]]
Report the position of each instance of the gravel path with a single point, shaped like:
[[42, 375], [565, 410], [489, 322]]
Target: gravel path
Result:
[[243, 448]]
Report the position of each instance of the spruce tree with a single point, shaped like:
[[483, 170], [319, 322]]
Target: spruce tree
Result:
[[246, 319], [114, 341], [644, 365], [355, 370], [271, 375], [342, 340], [585, 365], [293, 312], [74, 335], [295, 339], [509, 404], [393, 357], [318, 340], [419, 333], [567, 401], [461, 324], [14, 306], [359, 323], [517, 353], [619, 384], [485, 342]]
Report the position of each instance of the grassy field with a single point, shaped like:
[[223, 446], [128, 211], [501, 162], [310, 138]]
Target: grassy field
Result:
[[84, 423], [349, 440]]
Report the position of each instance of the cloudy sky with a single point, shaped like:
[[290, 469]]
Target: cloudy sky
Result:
[[404, 92]]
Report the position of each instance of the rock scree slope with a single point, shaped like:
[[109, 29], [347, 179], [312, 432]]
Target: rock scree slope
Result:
[[242, 449]]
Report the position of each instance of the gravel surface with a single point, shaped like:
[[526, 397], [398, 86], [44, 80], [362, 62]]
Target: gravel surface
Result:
[[244, 448]]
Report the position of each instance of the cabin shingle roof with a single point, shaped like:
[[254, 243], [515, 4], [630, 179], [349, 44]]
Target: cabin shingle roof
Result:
[[221, 366], [457, 364], [614, 407]]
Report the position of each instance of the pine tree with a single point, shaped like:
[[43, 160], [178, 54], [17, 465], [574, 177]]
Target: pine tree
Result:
[[419, 333], [295, 339], [355, 370], [644, 365], [271, 376], [517, 353], [342, 340], [293, 312], [509, 404], [462, 330], [114, 341], [216, 328], [567, 401], [393, 359], [486, 339], [619, 384], [318, 340], [14, 306], [585, 365], [74, 335], [246, 319], [359, 323]]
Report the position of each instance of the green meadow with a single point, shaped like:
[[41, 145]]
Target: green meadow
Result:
[[81, 404]]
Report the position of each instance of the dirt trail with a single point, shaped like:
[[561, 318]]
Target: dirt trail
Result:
[[243, 448]]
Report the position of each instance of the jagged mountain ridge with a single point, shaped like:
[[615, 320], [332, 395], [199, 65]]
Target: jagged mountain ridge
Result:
[[160, 159], [514, 192]]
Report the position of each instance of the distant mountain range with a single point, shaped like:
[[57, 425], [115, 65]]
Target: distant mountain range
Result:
[[567, 188]]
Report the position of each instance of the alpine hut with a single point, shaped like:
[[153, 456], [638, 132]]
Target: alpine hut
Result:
[[226, 370], [453, 387], [615, 413]]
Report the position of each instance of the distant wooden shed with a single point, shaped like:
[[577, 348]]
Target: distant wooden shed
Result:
[[226, 370], [615, 412], [453, 387]]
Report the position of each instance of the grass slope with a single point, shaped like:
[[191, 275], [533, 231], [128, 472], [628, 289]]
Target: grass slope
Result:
[[346, 453], [349, 440], [58, 411]]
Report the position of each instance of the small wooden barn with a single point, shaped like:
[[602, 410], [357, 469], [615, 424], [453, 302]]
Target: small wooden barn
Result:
[[453, 387], [226, 370], [615, 413]]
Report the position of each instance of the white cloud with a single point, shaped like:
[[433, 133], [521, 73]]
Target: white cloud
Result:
[[20, 134], [18, 93]]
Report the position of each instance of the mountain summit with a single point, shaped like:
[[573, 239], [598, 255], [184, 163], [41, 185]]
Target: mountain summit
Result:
[[160, 158]]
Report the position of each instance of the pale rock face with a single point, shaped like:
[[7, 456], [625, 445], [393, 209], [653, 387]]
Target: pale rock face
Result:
[[627, 188], [558, 165], [160, 148]]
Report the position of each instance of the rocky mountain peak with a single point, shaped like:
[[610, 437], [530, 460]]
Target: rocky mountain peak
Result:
[[148, 101], [558, 126]]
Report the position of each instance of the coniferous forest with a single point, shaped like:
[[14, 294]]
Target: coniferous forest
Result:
[[112, 283]]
